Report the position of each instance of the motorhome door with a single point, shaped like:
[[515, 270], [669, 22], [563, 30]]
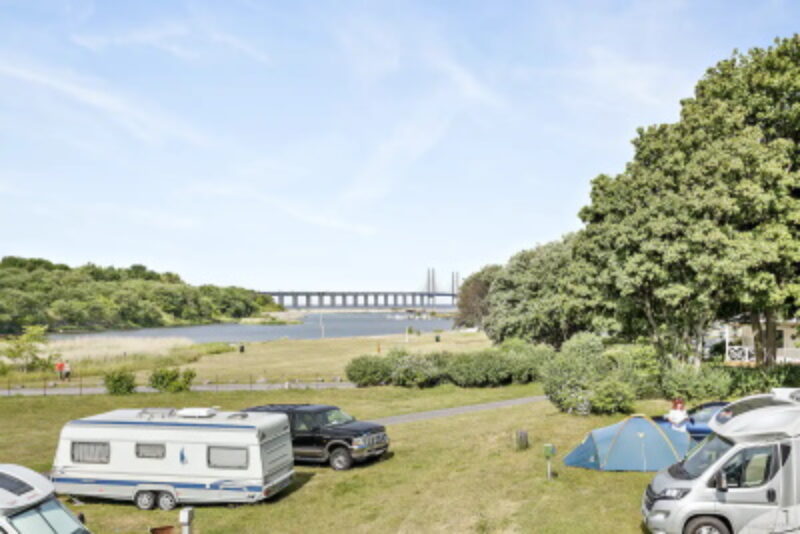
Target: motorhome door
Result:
[[751, 501]]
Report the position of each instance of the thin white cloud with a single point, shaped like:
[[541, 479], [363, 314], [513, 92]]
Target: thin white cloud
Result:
[[408, 142], [326, 219], [132, 116], [183, 40], [464, 80], [165, 37], [155, 218], [239, 45]]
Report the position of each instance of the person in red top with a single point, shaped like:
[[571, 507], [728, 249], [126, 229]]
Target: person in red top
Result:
[[60, 369]]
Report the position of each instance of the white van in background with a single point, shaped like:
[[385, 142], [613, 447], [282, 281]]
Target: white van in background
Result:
[[28, 505], [163, 456]]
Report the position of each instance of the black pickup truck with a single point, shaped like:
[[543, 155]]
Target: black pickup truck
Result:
[[322, 433]]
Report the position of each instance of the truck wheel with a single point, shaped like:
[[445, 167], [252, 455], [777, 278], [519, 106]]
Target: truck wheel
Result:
[[145, 500], [706, 525], [166, 501], [340, 459]]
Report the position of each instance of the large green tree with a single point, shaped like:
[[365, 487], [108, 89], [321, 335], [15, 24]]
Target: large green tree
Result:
[[473, 297], [542, 295], [703, 223]]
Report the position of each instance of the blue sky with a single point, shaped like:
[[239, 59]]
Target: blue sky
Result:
[[332, 145]]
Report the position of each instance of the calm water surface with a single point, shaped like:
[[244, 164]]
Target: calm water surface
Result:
[[334, 324]]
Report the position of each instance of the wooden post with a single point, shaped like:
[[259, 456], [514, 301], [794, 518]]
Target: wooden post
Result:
[[521, 440], [80, 385], [44, 388]]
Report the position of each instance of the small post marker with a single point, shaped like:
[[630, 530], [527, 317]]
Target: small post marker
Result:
[[549, 452]]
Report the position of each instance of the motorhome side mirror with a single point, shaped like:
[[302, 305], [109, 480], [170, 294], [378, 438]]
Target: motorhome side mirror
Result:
[[721, 481], [82, 518]]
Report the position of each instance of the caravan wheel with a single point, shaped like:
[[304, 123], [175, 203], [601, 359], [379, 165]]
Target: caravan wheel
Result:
[[166, 501], [145, 500]]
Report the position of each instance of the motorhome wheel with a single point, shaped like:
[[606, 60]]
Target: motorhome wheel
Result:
[[706, 525], [145, 500], [340, 459], [166, 501]]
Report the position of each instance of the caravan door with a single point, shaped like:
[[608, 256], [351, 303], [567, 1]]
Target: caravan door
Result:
[[751, 502]]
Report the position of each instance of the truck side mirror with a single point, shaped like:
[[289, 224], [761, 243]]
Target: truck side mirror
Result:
[[721, 481]]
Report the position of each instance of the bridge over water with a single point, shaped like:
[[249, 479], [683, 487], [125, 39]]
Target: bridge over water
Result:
[[428, 297], [359, 299]]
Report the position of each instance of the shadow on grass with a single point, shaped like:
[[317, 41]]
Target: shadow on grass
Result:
[[356, 465], [300, 480]]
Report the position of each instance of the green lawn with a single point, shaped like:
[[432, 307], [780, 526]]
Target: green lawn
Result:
[[275, 361], [456, 474]]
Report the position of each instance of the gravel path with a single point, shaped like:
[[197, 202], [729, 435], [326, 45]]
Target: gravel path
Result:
[[458, 410]]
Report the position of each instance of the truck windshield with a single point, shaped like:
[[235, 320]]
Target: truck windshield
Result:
[[49, 517], [335, 417], [708, 451]]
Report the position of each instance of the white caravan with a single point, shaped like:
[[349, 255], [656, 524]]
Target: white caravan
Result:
[[28, 505], [743, 478], [162, 456]]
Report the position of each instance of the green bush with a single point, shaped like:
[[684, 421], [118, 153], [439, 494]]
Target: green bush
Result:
[[369, 371], [639, 366], [120, 382], [569, 377], [692, 383], [485, 368], [525, 359], [612, 395], [415, 370], [172, 380], [750, 380]]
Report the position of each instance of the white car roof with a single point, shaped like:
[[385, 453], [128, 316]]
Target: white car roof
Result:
[[21, 487]]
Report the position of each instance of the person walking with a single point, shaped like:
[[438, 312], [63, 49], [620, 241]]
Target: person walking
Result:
[[67, 371], [60, 369]]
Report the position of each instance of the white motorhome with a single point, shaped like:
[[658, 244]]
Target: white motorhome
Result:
[[28, 505], [162, 456], [743, 478]]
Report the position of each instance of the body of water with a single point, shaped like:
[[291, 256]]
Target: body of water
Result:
[[312, 327]]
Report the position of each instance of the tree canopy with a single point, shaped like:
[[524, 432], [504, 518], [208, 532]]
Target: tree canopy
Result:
[[473, 297], [701, 225], [38, 292]]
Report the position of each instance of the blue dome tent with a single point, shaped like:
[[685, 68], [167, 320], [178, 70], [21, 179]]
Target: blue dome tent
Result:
[[634, 444]]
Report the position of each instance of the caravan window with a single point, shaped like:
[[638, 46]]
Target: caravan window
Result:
[[227, 457], [93, 452], [151, 450]]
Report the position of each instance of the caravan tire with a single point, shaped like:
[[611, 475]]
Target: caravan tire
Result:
[[706, 525], [166, 501], [145, 500]]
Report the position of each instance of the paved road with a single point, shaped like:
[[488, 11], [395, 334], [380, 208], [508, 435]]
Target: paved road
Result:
[[458, 410], [99, 390]]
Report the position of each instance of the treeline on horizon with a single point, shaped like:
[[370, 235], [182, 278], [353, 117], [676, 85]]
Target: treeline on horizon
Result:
[[703, 225], [36, 291]]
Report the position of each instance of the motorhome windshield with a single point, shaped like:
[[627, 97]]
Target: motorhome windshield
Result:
[[703, 455], [49, 517]]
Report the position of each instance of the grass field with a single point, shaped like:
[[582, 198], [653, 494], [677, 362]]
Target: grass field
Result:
[[274, 361], [457, 474]]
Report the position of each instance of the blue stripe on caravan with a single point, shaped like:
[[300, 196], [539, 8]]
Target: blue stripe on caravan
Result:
[[157, 423], [181, 485]]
